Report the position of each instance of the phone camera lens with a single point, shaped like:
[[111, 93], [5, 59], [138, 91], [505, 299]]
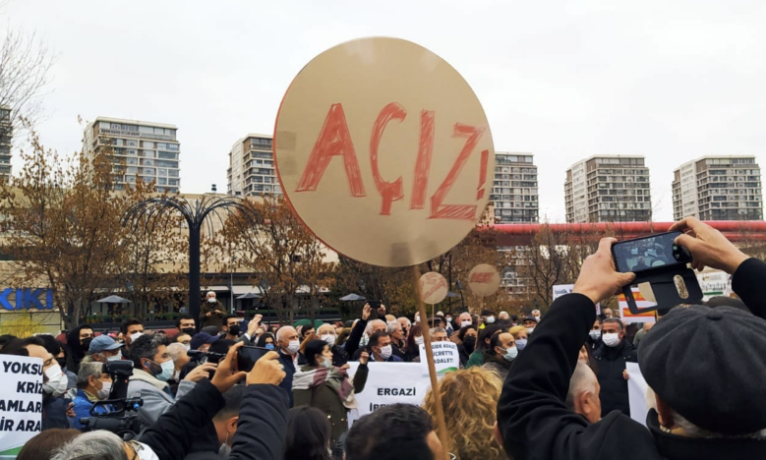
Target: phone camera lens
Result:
[[676, 255]]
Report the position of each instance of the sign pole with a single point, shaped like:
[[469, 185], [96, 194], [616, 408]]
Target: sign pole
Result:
[[441, 424]]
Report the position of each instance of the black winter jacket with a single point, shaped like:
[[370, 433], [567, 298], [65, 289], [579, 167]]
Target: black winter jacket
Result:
[[536, 424], [610, 363], [260, 433]]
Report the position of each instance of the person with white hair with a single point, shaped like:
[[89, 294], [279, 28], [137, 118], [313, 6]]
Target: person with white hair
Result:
[[211, 312], [396, 332], [406, 325], [503, 316], [93, 385], [583, 395], [372, 327], [329, 335]]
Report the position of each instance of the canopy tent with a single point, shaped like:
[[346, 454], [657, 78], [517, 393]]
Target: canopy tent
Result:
[[113, 299], [351, 298]]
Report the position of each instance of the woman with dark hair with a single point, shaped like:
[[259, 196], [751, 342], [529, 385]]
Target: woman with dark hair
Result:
[[77, 342], [482, 345], [309, 434], [467, 336], [501, 354], [42, 446], [414, 339], [266, 340], [319, 384]]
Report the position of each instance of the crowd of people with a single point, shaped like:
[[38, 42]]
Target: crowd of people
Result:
[[530, 387]]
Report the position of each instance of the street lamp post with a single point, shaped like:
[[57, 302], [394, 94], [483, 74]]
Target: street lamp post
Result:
[[195, 213]]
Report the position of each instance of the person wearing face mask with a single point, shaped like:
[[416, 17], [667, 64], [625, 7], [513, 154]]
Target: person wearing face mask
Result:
[[610, 358], [480, 352], [414, 340], [382, 349], [328, 334], [501, 354], [487, 318], [77, 342], [467, 336], [465, 320], [231, 327], [131, 329], [521, 336], [536, 315], [152, 368], [594, 336], [178, 353], [530, 322], [93, 385], [57, 350], [185, 324], [211, 312], [289, 345], [103, 349], [328, 388], [54, 380], [266, 340]]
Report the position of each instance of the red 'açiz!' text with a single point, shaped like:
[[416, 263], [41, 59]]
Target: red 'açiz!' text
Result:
[[335, 140]]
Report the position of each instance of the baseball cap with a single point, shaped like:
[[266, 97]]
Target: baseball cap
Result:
[[202, 338], [103, 343]]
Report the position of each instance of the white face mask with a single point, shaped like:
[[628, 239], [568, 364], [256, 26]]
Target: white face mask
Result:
[[364, 341], [211, 300], [385, 352], [417, 319], [117, 357], [329, 339], [595, 334], [135, 336], [611, 340], [466, 323], [103, 393], [187, 347], [530, 329], [57, 381], [490, 319], [449, 319], [419, 340], [293, 347], [537, 318]]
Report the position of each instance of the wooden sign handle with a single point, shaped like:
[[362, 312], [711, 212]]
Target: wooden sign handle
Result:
[[441, 424]]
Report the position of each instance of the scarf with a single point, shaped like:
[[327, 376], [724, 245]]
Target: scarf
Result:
[[309, 377]]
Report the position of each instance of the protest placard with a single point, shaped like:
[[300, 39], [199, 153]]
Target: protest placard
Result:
[[433, 287], [389, 383], [627, 317], [483, 280], [446, 357], [560, 290], [383, 151], [637, 393], [21, 402]]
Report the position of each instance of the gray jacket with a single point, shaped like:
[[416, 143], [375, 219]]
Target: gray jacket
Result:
[[156, 395]]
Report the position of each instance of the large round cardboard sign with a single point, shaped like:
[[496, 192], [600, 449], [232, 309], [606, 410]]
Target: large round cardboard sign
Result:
[[483, 280], [384, 151], [433, 288]]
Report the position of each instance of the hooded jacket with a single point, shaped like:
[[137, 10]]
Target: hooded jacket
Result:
[[75, 353]]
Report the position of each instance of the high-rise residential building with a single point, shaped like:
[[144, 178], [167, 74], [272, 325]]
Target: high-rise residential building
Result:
[[718, 188], [608, 189], [514, 189], [6, 139], [251, 167], [148, 150]]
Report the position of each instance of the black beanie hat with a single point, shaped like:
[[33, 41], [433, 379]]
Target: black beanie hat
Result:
[[709, 365]]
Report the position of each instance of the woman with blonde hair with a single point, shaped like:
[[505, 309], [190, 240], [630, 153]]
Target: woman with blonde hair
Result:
[[520, 336], [470, 420]]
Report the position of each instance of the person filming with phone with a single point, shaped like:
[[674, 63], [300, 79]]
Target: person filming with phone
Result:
[[705, 366]]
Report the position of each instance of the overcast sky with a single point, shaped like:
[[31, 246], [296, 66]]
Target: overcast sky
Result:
[[564, 80]]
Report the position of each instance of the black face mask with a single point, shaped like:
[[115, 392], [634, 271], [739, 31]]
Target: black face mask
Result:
[[86, 343], [469, 343], [233, 330], [189, 331], [62, 362]]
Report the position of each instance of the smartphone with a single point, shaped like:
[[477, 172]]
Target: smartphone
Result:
[[247, 357], [374, 304], [649, 252]]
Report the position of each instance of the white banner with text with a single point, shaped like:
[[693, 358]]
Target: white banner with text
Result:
[[21, 402]]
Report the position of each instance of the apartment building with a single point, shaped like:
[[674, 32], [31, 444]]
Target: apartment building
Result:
[[147, 151], [514, 189], [251, 167], [609, 188], [718, 188]]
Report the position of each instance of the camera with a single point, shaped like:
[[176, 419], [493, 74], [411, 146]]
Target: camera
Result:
[[118, 412]]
